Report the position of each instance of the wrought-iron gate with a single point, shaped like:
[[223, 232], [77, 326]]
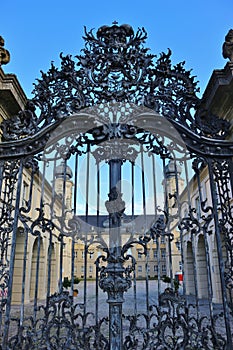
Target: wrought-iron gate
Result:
[[115, 179]]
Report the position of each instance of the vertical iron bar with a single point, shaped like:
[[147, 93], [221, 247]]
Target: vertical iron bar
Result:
[[49, 269], [132, 233], [98, 198], [49, 263], [12, 256], [145, 225], [85, 243], [143, 189], [193, 244], [98, 231], [75, 213], [156, 213], [166, 209], [72, 267], [3, 246], [97, 291], [230, 251], [224, 201], [38, 245], [147, 289], [154, 183], [62, 244], [207, 257], [179, 216], [135, 292], [24, 277], [195, 273], [132, 184], [75, 183], [61, 262], [115, 268], [62, 230], [29, 202], [220, 256], [37, 277], [159, 264]]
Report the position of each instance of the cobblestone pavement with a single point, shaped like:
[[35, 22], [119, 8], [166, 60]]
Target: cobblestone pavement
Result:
[[129, 304]]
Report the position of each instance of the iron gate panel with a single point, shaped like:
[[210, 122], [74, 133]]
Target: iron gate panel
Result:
[[115, 178]]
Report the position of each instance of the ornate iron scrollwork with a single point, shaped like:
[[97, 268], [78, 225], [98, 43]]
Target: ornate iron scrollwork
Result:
[[115, 66], [116, 80]]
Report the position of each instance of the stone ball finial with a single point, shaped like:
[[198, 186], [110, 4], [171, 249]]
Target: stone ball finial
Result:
[[172, 169], [61, 169], [4, 54], [227, 48]]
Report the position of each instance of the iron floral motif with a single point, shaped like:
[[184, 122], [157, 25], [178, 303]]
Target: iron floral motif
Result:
[[116, 60], [212, 126], [222, 177], [173, 327], [116, 150], [9, 176], [25, 123], [59, 325], [116, 280]]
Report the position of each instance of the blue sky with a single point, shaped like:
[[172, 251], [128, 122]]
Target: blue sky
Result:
[[35, 32]]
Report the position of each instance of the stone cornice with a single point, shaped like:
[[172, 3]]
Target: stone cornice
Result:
[[218, 95], [12, 96]]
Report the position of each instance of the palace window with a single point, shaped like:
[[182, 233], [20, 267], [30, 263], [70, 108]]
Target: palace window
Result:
[[139, 268], [198, 207], [139, 254], [25, 194], [163, 253]]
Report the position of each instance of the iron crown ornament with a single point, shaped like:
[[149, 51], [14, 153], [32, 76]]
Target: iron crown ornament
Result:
[[115, 67]]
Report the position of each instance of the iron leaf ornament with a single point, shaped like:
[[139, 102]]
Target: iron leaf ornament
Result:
[[114, 66]]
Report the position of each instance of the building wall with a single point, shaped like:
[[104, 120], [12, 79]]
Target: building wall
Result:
[[31, 247], [150, 260]]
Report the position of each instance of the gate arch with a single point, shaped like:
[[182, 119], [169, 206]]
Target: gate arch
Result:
[[126, 174]]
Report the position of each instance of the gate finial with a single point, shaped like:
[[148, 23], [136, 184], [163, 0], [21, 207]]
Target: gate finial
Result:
[[4, 54], [227, 48]]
